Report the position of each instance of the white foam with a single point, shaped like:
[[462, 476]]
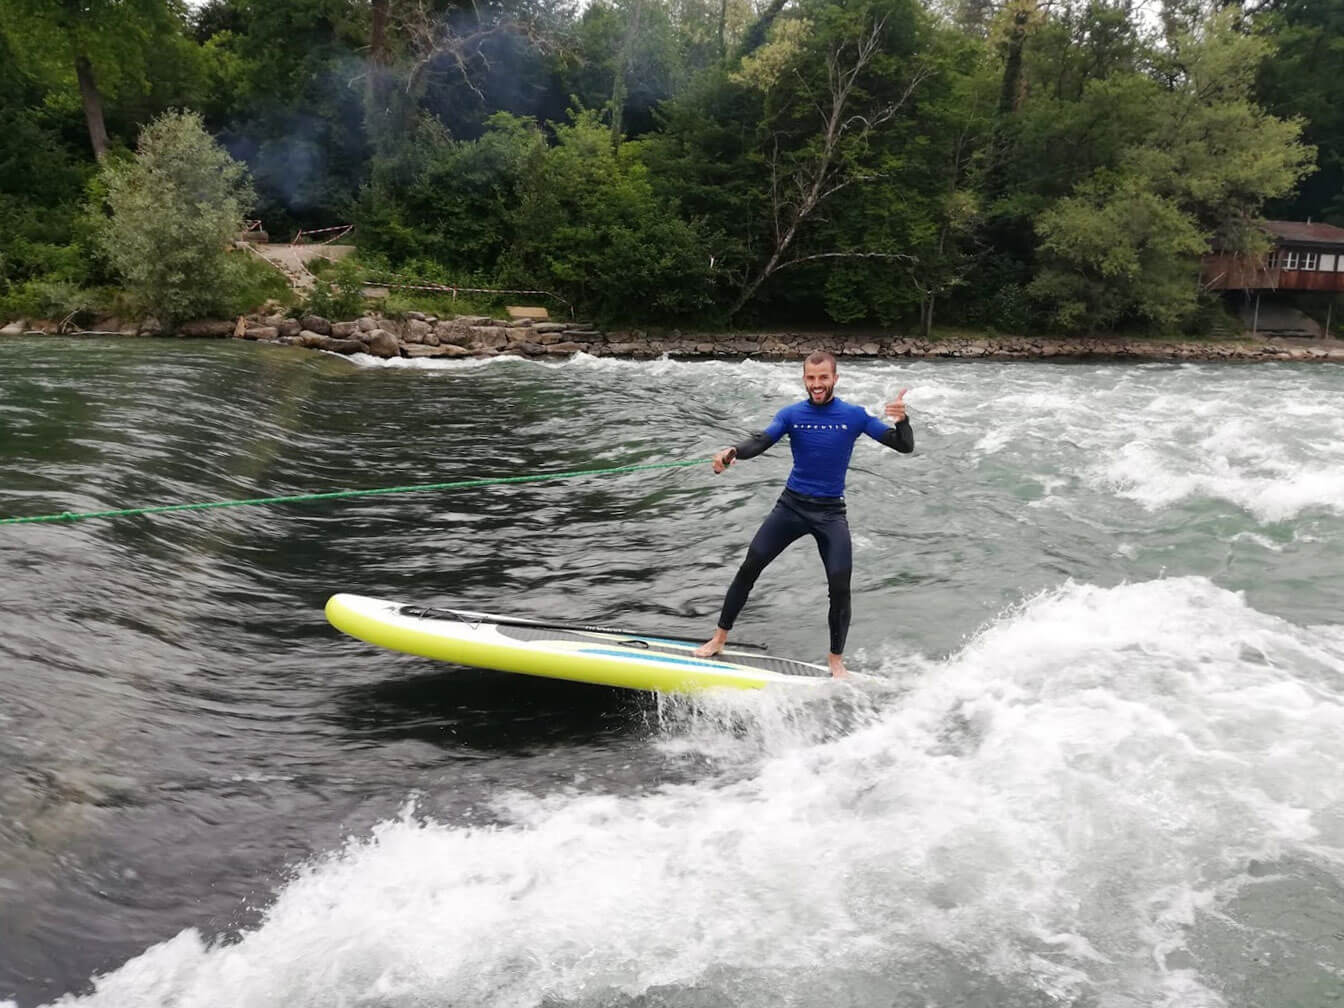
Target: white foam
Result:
[[1050, 810]]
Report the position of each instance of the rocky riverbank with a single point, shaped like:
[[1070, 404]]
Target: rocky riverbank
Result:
[[417, 335]]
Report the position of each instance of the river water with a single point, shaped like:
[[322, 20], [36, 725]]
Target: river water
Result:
[[1105, 765]]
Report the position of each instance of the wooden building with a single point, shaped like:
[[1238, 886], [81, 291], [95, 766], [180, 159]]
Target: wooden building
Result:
[[1305, 257]]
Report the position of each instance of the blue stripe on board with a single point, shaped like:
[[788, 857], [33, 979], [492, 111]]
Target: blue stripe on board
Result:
[[720, 666]]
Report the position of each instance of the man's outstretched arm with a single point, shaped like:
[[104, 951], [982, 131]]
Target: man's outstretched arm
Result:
[[754, 445]]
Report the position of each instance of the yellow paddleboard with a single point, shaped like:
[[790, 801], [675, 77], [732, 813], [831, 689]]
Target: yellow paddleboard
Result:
[[581, 653]]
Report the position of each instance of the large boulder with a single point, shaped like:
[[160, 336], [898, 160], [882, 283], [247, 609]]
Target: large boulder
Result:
[[344, 346], [424, 350], [383, 343], [316, 323], [13, 329], [289, 327], [488, 336], [213, 328], [366, 324], [344, 330], [260, 332], [454, 330], [417, 329]]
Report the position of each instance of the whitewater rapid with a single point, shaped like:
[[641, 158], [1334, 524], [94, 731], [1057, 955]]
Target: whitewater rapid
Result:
[[1102, 763]]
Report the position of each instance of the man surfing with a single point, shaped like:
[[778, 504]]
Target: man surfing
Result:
[[822, 430]]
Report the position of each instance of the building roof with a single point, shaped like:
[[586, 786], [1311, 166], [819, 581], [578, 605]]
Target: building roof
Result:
[[1306, 233]]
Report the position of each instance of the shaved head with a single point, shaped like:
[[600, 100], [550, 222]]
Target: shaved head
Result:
[[821, 357]]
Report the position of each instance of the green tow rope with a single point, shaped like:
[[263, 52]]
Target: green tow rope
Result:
[[339, 494]]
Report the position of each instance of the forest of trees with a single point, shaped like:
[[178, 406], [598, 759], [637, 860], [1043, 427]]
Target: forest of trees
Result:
[[997, 164]]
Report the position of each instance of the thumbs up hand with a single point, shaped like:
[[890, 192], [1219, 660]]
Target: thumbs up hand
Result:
[[895, 409]]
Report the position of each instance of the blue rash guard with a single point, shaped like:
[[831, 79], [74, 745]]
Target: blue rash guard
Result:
[[822, 441]]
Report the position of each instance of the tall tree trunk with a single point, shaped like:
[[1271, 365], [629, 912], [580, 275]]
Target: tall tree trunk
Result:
[[93, 105], [1010, 93], [617, 104], [378, 31], [926, 315], [618, 86], [1010, 101], [375, 92], [723, 30], [755, 34]]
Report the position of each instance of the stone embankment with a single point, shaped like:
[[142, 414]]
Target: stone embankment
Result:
[[417, 335], [426, 336]]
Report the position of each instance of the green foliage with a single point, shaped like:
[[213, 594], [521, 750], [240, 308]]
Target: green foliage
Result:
[[57, 300], [173, 210], [115, 35], [427, 273], [1124, 244], [251, 283], [591, 227], [41, 185], [1115, 251], [579, 218], [997, 164], [451, 201], [338, 292], [1303, 81], [399, 302]]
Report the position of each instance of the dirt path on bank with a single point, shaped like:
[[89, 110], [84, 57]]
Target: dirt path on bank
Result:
[[292, 260]]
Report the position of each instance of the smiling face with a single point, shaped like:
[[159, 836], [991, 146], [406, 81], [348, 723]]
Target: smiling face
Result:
[[819, 380]]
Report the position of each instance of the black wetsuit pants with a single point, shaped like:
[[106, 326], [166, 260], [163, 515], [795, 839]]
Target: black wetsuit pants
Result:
[[794, 516]]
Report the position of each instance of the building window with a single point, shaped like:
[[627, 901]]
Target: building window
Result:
[[1309, 260], [1327, 262], [1288, 260], [1273, 261]]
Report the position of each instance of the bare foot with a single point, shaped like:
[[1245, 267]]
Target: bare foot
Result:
[[712, 646], [837, 664]]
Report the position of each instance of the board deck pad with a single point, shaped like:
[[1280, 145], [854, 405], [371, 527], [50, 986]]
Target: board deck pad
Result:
[[659, 645], [580, 652]]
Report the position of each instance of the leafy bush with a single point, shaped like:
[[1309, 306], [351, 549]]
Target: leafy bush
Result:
[[247, 283], [54, 299], [593, 229], [174, 210], [579, 218], [338, 293], [452, 202], [1010, 309]]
